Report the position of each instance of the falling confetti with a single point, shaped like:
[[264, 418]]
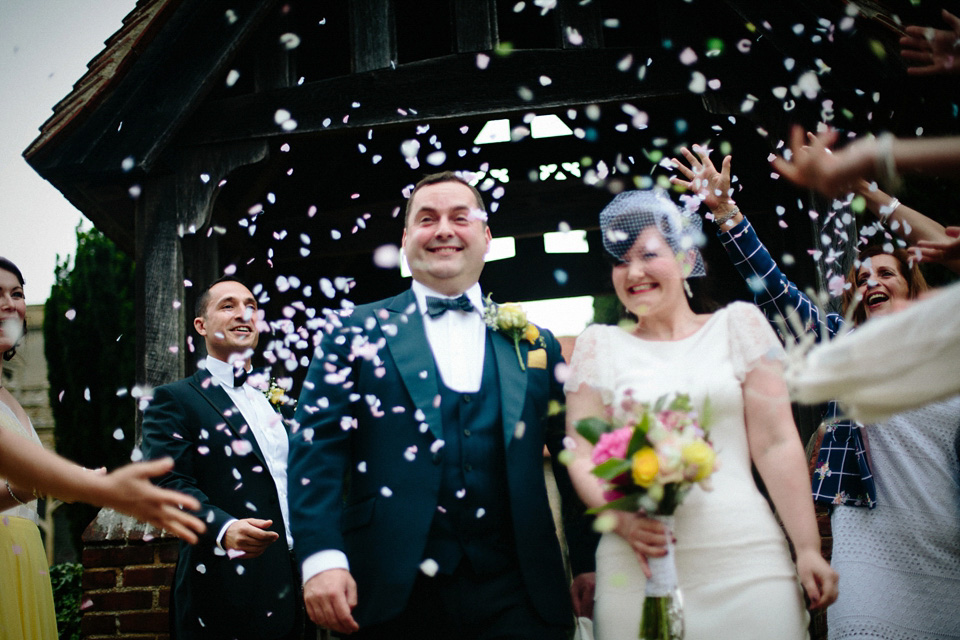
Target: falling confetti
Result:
[[429, 567]]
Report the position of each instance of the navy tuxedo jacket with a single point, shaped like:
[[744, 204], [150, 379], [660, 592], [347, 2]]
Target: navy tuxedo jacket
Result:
[[365, 470], [218, 461]]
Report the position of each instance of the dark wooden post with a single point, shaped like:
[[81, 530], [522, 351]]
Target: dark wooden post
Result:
[[476, 25], [582, 17], [174, 205], [373, 35], [159, 283]]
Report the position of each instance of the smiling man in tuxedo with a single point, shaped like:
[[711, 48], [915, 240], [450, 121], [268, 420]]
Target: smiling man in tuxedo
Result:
[[418, 497], [230, 451]]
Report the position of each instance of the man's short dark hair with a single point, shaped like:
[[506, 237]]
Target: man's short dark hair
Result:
[[200, 308], [437, 178]]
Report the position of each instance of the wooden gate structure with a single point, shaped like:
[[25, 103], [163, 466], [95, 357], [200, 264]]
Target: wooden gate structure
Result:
[[276, 138], [279, 136]]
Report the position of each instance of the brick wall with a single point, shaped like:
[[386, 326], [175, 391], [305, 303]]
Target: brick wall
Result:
[[127, 572]]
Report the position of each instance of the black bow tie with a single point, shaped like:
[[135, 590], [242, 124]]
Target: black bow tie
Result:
[[436, 307], [240, 375]]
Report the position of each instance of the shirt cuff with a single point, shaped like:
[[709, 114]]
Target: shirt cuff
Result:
[[324, 561], [223, 531]]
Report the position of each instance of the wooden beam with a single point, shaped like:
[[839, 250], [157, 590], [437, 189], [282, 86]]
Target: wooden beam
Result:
[[373, 35], [147, 107], [434, 90]]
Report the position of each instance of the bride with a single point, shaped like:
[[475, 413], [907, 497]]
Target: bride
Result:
[[733, 563]]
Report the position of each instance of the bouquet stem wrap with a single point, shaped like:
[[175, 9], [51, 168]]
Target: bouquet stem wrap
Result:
[[662, 616]]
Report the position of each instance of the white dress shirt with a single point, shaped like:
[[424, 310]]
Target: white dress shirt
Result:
[[267, 428], [458, 342], [457, 339]]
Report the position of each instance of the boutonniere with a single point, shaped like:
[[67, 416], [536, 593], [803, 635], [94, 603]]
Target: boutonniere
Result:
[[511, 319], [273, 391]]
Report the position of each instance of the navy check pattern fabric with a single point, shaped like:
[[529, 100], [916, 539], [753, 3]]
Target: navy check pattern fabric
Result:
[[842, 474]]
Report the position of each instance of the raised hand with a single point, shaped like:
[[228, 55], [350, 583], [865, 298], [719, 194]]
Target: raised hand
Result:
[[703, 179], [941, 250], [129, 490], [815, 166], [934, 51]]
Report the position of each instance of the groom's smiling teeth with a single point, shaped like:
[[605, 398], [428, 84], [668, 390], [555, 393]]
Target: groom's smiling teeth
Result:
[[444, 250]]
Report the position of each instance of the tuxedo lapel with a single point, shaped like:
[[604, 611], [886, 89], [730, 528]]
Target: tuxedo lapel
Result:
[[402, 327], [212, 392], [513, 381]]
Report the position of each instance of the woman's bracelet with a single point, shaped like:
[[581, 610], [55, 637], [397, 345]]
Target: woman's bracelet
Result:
[[888, 210], [725, 218], [12, 494]]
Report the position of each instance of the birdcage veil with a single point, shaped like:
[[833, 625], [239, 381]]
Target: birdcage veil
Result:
[[630, 212]]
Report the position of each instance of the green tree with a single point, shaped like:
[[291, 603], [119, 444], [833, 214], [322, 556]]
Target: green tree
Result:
[[66, 579], [89, 333]]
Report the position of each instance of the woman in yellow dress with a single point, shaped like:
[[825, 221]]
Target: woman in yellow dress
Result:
[[26, 597]]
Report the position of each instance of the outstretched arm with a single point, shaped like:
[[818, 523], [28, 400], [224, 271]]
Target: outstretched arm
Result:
[[933, 51], [945, 251], [128, 489], [776, 295], [912, 226], [834, 173]]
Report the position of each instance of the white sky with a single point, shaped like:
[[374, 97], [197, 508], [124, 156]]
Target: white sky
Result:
[[45, 46], [44, 49]]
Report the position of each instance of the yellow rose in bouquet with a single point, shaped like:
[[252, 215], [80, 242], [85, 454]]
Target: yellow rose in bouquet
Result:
[[645, 467], [698, 456]]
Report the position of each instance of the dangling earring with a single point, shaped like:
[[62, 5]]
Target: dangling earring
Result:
[[686, 287]]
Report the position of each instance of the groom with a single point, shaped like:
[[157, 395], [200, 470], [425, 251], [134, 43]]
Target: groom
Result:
[[417, 491]]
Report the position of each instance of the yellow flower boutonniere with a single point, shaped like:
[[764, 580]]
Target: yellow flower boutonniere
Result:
[[276, 395], [511, 319]]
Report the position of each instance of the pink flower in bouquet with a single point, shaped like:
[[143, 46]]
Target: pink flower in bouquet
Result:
[[612, 494], [612, 444], [672, 420]]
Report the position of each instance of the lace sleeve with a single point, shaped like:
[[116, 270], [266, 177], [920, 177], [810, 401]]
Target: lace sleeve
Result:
[[589, 364], [751, 338]]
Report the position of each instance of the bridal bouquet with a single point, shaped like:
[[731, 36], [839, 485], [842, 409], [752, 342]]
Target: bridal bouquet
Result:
[[648, 458]]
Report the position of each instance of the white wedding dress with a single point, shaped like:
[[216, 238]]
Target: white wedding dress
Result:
[[733, 563]]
